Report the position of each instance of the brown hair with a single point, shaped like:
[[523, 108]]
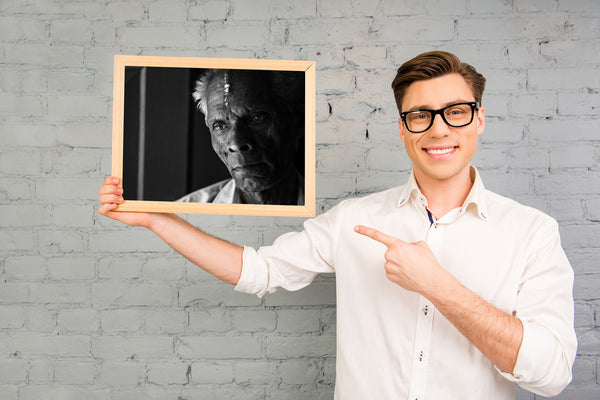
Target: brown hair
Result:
[[431, 65]]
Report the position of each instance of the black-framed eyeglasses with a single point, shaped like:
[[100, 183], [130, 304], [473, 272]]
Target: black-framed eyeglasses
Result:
[[455, 115]]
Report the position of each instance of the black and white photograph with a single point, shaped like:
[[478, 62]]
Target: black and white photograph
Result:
[[195, 136]]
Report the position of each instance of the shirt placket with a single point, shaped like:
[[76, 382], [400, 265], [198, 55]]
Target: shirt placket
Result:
[[424, 327]]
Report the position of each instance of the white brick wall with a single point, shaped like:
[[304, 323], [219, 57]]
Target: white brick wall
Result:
[[92, 309]]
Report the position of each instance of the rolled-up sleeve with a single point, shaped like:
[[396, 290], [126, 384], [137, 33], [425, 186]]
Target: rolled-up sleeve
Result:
[[545, 307], [292, 261]]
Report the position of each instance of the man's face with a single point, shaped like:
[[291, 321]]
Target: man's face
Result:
[[441, 152], [247, 132]]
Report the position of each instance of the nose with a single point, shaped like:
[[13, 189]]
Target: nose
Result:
[[439, 126], [240, 140]]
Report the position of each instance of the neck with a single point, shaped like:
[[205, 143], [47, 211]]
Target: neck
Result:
[[444, 195], [283, 193]]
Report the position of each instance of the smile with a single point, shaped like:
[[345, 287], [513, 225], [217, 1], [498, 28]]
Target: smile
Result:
[[439, 151]]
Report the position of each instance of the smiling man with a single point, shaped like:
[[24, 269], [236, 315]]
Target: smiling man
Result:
[[256, 123], [445, 290]]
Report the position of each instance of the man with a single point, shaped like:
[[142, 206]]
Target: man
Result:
[[444, 289], [256, 123]]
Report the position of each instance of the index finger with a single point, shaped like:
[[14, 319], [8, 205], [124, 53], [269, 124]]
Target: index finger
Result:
[[112, 180], [375, 235]]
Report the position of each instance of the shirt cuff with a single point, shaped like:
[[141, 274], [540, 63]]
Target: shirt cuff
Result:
[[538, 361], [254, 277]]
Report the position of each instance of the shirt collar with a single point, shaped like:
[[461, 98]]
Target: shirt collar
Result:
[[476, 195]]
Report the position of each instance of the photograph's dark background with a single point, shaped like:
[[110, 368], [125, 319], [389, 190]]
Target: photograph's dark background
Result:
[[167, 151]]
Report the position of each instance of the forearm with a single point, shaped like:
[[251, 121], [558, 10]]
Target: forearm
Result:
[[496, 334], [216, 256]]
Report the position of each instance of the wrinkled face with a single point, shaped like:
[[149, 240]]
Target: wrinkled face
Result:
[[441, 152], [248, 132]]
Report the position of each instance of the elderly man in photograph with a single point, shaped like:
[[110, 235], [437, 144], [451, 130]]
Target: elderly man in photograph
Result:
[[256, 123], [445, 290]]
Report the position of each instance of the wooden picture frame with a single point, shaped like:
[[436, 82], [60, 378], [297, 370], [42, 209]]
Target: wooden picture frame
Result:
[[158, 170]]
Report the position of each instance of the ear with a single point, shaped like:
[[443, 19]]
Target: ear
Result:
[[401, 126], [480, 120]]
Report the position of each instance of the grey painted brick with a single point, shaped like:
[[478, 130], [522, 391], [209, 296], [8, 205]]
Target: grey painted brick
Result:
[[28, 268], [41, 320], [62, 392], [205, 372], [11, 317], [209, 320], [210, 10], [112, 293], [120, 373], [219, 347], [298, 321], [34, 345], [121, 320], [253, 321], [164, 322], [13, 371], [78, 320], [131, 347], [168, 373], [71, 268], [74, 372], [284, 347], [60, 293], [170, 11]]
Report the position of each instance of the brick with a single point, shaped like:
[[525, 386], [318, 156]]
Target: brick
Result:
[[298, 321], [563, 78], [40, 371], [22, 105], [11, 317], [126, 241], [42, 54], [534, 104], [218, 347], [575, 156], [74, 373], [41, 321], [210, 10], [253, 321], [284, 347], [60, 293], [60, 241], [247, 372], [586, 287], [315, 31], [35, 345], [28, 268], [23, 215], [66, 107], [16, 240], [117, 373], [121, 320], [28, 135], [168, 11], [160, 36], [425, 29], [168, 373], [403, 7], [293, 9], [247, 34], [353, 161], [343, 9], [131, 347], [125, 11], [163, 269], [562, 130], [366, 57], [119, 268], [115, 293], [20, 163], [63, 392], [13, 371], [300, 372], [252, 11], [165, 322], [212, 373], [528, 158], [70, 31], [214, 295], [71, 268], [78, 320], [578, 103], [209, 320]]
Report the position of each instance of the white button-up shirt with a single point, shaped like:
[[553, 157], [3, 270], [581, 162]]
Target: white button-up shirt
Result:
[[393, 343]]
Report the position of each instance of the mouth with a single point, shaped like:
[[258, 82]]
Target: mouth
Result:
[[440, 151], [259, 168]]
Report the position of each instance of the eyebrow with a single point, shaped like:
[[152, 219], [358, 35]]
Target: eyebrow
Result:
[[449, 103]]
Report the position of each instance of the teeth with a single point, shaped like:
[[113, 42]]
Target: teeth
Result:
[[440, 151]]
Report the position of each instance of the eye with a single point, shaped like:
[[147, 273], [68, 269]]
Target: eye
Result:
[[259, 117], [218, 126]]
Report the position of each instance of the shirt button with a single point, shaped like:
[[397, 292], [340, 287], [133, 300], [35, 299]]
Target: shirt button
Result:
[[425, 310]]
